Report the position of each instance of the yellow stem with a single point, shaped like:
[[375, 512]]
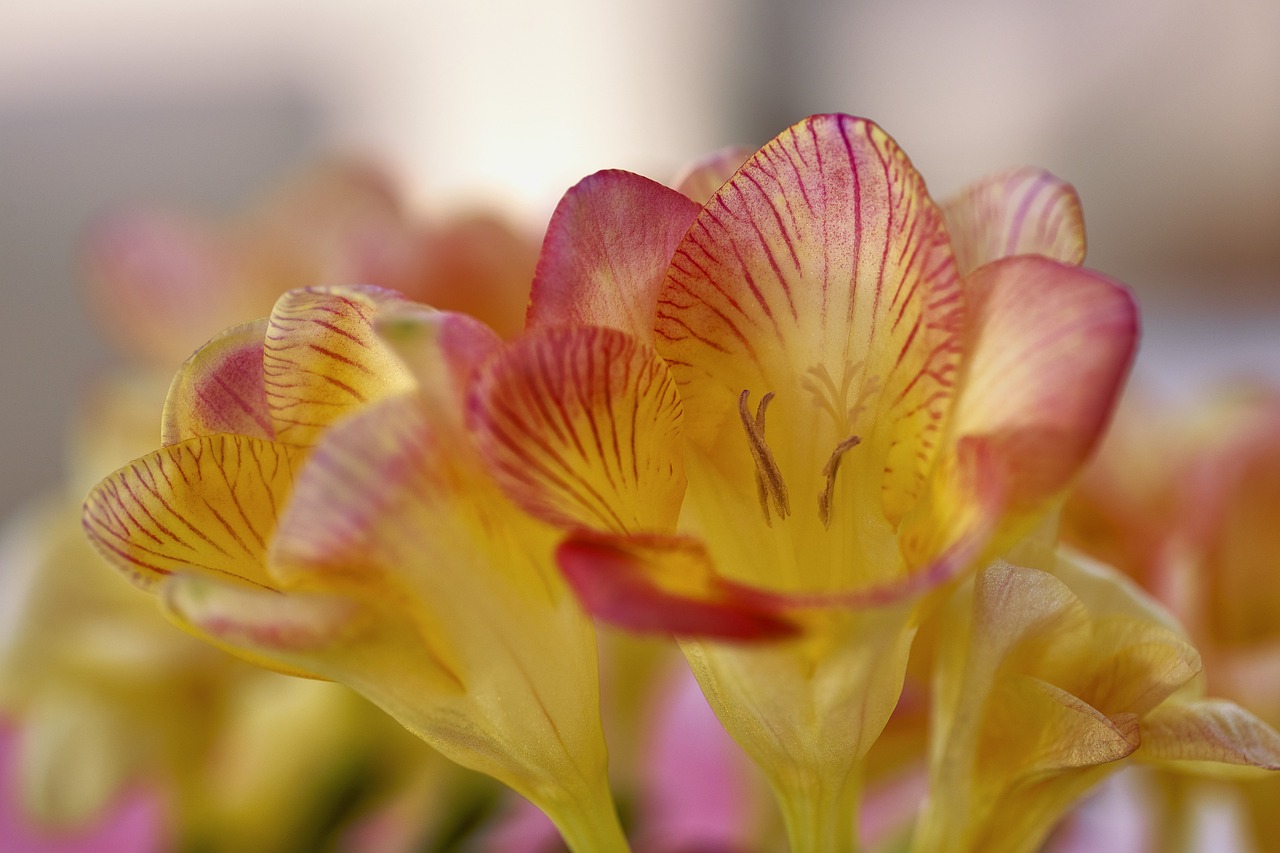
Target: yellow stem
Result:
[[821, 814], [588, 822]]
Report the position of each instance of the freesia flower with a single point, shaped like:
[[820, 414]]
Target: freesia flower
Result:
[[866, 413], [318, 509], [1047, 680], [160, 281]]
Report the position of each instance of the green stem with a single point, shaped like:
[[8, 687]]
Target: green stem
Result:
[[821, 814]]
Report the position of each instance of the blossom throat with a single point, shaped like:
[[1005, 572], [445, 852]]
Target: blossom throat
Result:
[[771, 487]]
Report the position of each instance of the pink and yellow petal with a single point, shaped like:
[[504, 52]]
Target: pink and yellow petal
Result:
[[701, 179], [220, 389], [581, 427], [207, 505], [442, 350], [283, 632], [820, 274], [1026, 211], [323, 359], [1049, 347], [606, 252]]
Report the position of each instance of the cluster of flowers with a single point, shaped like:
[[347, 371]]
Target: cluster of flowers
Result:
[[792, 413]]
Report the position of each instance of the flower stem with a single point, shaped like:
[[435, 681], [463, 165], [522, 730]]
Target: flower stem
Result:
[[822, 816], [589, 823]]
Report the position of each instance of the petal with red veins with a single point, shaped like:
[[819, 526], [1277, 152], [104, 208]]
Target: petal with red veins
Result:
[[1026, 211], [701, 180], [607, 249], [662, 584], [581, 427], [323, 358], [820, 273], [208, 504], [220, 389]]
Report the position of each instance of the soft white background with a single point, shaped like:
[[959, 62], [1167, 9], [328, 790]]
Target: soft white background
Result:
[[1164, 113]]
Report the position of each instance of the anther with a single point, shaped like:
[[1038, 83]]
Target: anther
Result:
[[769, 483], [829, 471]]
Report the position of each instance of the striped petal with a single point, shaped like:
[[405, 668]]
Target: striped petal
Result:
[[820, 274], [323, 359], [207, 504], [220, 389], [662, 584], [701, 180], [1026, 211], [607, 248], [581, 427]]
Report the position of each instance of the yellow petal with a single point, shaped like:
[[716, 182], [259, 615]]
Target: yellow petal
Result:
[[581, 427], [323, 359], [208, 504], [1191, 735]]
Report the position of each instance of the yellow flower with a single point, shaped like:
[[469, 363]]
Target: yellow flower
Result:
[[318, 508], [863, 415], [1044, 682]]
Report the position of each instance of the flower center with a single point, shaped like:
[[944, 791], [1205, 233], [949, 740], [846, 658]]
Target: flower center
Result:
[[771, 487]]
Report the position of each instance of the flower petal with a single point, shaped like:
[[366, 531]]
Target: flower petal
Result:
[[661, 584], [1050, 349], [606, 251], [442, 350], [265, 627], [220, 389], [393, 506], [581, 427], [323, 358], [1211, 731], [701, 180], [208, 504], [821, 273], [1025, 211]]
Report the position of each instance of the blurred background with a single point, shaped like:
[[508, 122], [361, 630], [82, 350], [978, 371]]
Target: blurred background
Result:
[[1164, 114]]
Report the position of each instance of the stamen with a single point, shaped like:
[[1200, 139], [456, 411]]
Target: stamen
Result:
[[769, 482], [829, 471]]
